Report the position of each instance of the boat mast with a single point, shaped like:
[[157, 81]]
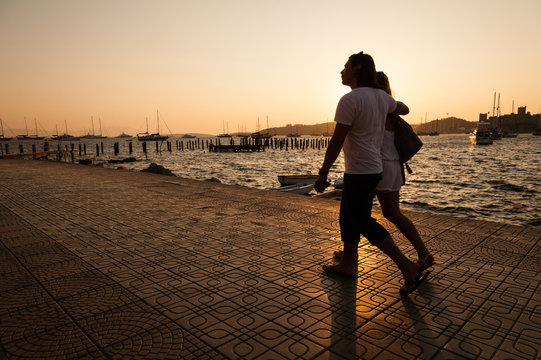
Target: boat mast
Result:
[[494, 105], [92, 119], [100, 127], [498, 114], [2, 126], [26, 126], [36, 123], [158, 120]]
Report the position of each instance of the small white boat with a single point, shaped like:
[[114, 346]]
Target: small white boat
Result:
[[333, 194], [297, 179], [481, 135], [338, 184], [294, 189]]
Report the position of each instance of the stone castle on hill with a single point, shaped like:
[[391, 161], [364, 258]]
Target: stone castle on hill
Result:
[[521, 122]]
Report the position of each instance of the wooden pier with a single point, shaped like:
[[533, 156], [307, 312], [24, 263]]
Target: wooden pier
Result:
[[236, 148]]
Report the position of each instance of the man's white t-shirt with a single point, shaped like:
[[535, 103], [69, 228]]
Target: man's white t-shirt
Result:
[[365, 110]]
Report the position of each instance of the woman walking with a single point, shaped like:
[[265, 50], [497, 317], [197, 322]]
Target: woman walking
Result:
[[388, 189]]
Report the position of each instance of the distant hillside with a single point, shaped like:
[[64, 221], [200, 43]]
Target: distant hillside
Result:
[[450, 125], [316, 129]]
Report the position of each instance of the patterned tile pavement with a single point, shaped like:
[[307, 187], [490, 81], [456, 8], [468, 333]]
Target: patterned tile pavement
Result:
[[107, 264]]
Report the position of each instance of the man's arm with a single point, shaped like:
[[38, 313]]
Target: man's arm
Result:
[[401, 109], [333, 150]]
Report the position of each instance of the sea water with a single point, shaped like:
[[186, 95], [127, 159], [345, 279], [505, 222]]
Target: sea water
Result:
[[498, 182]]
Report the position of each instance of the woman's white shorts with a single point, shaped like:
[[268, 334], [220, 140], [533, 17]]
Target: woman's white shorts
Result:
[[392, 176]]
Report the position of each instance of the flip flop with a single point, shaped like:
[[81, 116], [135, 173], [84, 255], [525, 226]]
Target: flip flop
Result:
[[413, 284], [332, 270], [426, 262]]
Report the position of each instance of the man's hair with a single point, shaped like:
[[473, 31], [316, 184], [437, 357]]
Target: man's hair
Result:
[[367, 75]]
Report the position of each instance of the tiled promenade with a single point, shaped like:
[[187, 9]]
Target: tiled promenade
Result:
[[106, 264]]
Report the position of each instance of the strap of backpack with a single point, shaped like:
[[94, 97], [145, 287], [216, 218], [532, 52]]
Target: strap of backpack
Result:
[[408, 168], [405, 165]]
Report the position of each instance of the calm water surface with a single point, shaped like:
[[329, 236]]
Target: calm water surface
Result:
[[498, 182]]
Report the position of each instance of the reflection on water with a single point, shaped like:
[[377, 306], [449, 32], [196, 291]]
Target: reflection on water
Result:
[[497, 182]]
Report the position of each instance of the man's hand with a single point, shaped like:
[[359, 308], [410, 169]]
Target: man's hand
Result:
[[321, 183]]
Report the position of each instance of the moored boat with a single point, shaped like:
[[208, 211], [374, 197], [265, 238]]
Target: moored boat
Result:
[[481, 135], [64, 137], [152, 137], [303, 179], [93, 136], [297, 189]]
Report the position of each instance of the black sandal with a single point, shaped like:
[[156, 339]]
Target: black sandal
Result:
[[332, 270], [411, 285]]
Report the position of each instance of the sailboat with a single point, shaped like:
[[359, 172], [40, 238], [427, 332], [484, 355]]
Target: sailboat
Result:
[[30, 137], [496, 132], [2, 136], [36, 137], [152, 137], [93, 136], [225, 134], [65, 136], [259, 134]]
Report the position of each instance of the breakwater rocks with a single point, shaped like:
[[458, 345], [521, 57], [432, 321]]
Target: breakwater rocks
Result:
[[158, 169]]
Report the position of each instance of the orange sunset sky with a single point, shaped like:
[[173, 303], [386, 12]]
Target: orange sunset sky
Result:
[[205, 63]]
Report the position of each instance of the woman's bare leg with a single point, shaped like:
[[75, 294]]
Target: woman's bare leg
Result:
[[408, 268], [390, 206]]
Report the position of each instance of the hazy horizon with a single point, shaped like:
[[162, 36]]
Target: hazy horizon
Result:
[[210, 64]]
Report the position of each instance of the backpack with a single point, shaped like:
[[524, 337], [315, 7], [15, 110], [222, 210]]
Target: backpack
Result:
[[406, 141]]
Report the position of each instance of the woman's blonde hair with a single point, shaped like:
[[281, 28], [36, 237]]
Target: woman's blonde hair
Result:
[[383, 82]]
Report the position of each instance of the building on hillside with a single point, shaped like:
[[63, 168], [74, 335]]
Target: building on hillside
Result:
[[521, 122]]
